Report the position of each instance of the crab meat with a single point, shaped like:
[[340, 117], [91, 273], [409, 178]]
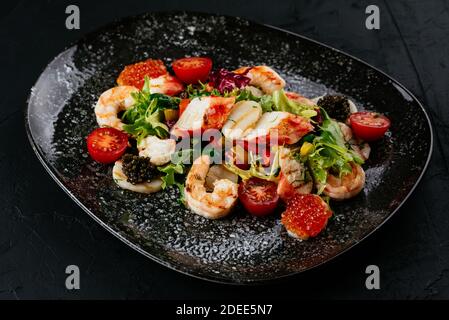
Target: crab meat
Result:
[[286, 127], [166, 84], [202, 114], [159, 151], [242, 119]]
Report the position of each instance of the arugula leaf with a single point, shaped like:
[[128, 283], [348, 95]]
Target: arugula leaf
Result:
[[203, 90]]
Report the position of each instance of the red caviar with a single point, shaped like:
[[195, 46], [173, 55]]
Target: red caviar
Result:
[[134, 74], [306, 215]]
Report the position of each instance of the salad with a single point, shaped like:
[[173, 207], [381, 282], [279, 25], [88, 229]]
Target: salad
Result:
[[224, 137]]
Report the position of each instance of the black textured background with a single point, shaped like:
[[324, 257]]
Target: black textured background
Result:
[[42, 230]]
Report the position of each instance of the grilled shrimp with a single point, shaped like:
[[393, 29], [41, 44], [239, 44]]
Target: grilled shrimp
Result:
[[296, 97], [212, 205], [110, 103], [166, 84], [292, 177], [347, 186], [159, 151], [263, 77], [122, 181], [361, 148]]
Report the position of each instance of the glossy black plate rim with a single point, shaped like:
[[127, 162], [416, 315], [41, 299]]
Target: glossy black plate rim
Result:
[[54, 174]]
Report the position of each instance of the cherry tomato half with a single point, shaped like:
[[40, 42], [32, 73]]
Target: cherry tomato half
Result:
[[192, 70], [369, 126], [106, 145], [258, 196]]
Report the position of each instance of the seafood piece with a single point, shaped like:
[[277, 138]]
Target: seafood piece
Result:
[[362, 148], [306, 216], [217, 172], [254, 91], [110, 103], [166, 84], [158, 150], [263, 77], [202, 114], [242, 119], [293, 178], [346, 131], [237, 155], [296, 97], [134, 74], [143, 187], [352, 106], [348, 186], [284, 126], [211, 205]]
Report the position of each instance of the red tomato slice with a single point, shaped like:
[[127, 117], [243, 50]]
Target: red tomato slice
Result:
[[192, 70], [106, 145], [183, 105], [134, 74], [258, 196], [369, 126], [306, 215]]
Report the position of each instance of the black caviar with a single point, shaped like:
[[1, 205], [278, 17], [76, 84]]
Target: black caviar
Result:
[[336, 106], [138, 169]]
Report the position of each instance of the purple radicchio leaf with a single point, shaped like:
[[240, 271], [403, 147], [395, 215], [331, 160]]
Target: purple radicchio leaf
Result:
[[225, 81]]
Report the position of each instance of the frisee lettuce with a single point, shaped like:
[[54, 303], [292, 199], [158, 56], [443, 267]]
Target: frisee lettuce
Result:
[[201, 90], [256, 170], [277, 101], [144, 118], [176, 170], [330, 153], [265, 101]]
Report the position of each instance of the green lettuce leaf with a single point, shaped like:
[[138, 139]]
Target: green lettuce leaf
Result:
[[330, 153], [144, 118], [174, 172], [265, 101], [283, 103]]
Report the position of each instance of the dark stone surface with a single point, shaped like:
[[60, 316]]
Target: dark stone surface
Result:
[[42, 231]]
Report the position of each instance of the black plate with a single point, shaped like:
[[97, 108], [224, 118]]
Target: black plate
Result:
[[238, 249]]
